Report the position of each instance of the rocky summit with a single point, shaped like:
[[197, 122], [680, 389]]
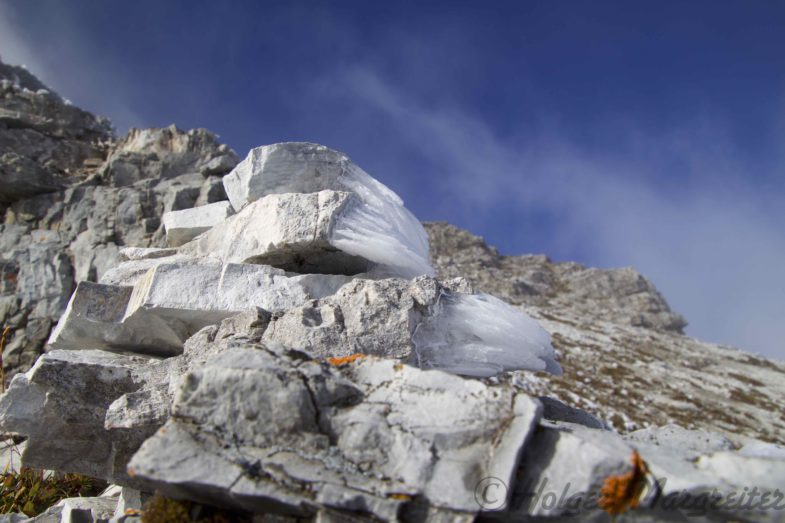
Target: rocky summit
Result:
[[281, 338]]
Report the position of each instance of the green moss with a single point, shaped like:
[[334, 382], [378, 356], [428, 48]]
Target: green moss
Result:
[[29, 491]]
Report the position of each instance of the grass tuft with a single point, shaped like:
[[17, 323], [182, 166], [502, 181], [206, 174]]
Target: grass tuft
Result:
[[32, 492]]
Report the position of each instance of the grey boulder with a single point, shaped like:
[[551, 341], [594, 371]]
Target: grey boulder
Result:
[[264, 429]]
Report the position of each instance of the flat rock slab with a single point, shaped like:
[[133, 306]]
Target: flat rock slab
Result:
[[173, 300], [290, 167], [333, 232], [96, 319], [270, 430], [185, 225], [289, 231]]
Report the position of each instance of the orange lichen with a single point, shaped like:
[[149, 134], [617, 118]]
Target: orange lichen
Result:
[[400, 497], [623, 492], [343, 360]]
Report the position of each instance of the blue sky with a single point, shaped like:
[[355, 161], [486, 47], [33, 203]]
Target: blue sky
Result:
[[649, 134]]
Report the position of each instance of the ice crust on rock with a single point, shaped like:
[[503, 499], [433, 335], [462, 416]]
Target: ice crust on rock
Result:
[[375, 225], [480, 335]]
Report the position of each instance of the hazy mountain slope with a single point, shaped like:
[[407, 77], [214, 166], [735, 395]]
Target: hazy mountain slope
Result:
[[621, 347]]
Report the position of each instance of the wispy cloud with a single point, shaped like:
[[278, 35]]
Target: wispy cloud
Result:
[[713, 244], [62, 62]]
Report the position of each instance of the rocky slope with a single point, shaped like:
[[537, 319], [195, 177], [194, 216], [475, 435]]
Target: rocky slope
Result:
[[72, 195], [623, 353], [293, 281]]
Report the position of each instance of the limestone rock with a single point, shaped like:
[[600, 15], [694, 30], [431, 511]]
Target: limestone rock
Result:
[[378, 228], [21, 177], [48, 139], [60, 405], [304, 439], [622, 296], [166, 153], [624, 360], [183, 226], [673, 438], [95, 319], [296, 235], [79, 197], [570, 462], [365, 316], [87, 510], [419, 322], [173, 300]]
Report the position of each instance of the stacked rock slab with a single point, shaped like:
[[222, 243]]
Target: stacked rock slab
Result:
[[294, 254], [201, 370], [72, 196]]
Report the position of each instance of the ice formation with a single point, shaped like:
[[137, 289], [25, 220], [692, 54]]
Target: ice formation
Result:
[[480, 335], [382, 229]]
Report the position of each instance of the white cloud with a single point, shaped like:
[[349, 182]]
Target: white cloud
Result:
[[713, 245]]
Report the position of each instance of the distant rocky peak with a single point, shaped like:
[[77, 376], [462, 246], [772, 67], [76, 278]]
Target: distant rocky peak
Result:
[[622, 296]]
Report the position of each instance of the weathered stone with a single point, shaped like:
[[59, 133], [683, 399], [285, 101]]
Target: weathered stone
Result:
[[38, 126], [365, 316], [378, 227], [174, 300], [672, 438], [568, 462], [87, 510], [622, 296], [188, 296], [21, 177], [145, 253], [130, 500], [555, 410], [295, 237], [60, 405], [165, 153], [292, 167], [369, 439], [52, 146], [183, 226], [418, 322], [96, 319]]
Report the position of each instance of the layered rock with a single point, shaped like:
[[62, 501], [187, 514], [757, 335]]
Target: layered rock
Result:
[[370, 222], [72, 198], [291, 435], [44, 139]]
